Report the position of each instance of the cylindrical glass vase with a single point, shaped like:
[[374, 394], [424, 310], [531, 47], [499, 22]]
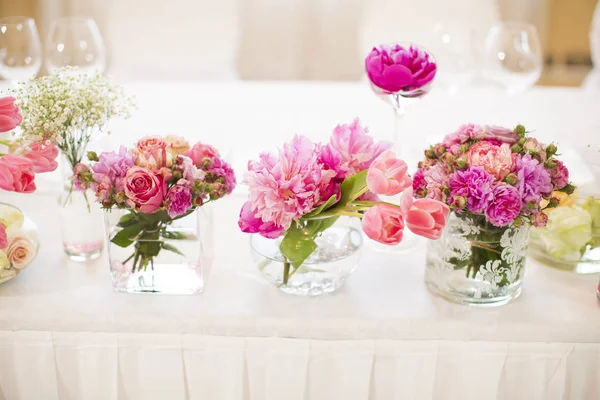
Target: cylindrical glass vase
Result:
[[337, 252], [477, 263], [22, 242], [150, 253]]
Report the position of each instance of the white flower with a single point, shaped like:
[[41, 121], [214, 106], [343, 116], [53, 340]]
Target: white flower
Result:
[[4, 263], [22, 249], [11, 217], [7, 274]]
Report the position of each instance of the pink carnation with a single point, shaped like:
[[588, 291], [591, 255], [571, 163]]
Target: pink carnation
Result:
[[221, 168], [285, 187], [356, 148], [533, 180], [496, 160], [475, 184], [436, 178], [505, 205], [559, 175], [179, 200]]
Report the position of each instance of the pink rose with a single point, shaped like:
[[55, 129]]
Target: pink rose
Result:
[[427, 218], [145, 189], [153, 153], [16, 174], [10, 116], [559, 175], [535, 148], [42, 156], [178, 144], [21, 251], [82, 177], [384, 224], [396, 68], [201, 151], [501, 134], [387, 175], [3, 238], [496, 160]]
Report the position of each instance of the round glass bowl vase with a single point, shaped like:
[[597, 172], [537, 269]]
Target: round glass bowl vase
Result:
[[168, 257], [476, 263], [22, 242], [336, 256]]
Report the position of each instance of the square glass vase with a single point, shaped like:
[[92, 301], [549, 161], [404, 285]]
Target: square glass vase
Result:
[[167, 256]]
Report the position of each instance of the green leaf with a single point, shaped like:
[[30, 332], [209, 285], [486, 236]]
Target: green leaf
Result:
[[125, 236], [170, 247], [352, 186], [174, 235], [127, 219], [297, 245], [330, 202]]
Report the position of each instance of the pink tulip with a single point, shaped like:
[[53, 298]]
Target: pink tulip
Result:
[[43, 157], [16, 174], [10, 116], [3, 238], [427, 218], [387, 175], [384, 224]]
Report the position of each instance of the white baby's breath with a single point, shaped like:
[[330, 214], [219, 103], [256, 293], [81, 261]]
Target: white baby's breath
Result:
[[69, 108]]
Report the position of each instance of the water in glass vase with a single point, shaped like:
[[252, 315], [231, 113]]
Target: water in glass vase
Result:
[[326, 269]]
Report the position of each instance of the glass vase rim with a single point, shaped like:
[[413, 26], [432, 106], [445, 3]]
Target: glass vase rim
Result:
[[514, 24], [12, 206], [79, 19], [17, 19]]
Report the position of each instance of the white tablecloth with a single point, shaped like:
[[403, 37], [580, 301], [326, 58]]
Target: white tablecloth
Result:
[[64, 334]]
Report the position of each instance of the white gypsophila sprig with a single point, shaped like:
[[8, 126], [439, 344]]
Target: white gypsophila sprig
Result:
[[69, 108]]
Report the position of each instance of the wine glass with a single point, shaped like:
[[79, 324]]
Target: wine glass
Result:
[[20, 49], [512, 56], [75, 41]]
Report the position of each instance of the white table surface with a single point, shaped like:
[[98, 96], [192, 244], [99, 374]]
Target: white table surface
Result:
[[384, 299]]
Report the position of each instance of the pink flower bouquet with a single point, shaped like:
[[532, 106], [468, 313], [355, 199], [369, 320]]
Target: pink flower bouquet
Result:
[[497, 182], [301, 192], [158, 181]]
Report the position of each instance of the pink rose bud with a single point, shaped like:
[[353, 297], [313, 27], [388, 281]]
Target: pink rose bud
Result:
[[427, 218], [10, 116], [387, 175], [540, 219], [384, 223], [520, 130], [511, 179], [201, 151]]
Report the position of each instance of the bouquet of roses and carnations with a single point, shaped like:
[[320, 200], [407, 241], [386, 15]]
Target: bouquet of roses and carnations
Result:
[[20, 161], [302, 191], [158, 181]]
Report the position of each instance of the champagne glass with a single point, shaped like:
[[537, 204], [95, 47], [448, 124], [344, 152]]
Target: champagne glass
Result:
[[512, 56], [20, 49], [75, 41]]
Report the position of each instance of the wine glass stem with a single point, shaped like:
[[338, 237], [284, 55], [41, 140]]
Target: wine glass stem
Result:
[[400, 141]]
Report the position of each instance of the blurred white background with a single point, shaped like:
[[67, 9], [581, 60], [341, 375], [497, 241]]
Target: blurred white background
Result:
[[310, 39]]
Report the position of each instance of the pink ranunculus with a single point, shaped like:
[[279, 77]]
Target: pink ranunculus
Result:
[[3, 238], [427, 218], [384, 223], [250, 223], [16, 174], [179, 200], [201, 151], [21, 251], [145, 189], [505, 135], [559, 175], [505, 205], [153, 152], [496, 160], [396, 68], [387, 175], [42, 156], [356, 147], [10, 116]]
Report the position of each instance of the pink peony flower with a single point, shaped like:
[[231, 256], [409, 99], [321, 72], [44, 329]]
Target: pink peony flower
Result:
[[43, 157], [496, 160], [154, 153], [396, 68], [387, 175], [356, 148], [16, 174], [145, 189], [221, 168], [475, 184], [533, 181], [504, 135], [249, 223], [505, 205], [559, 175], [384, 223], [3, 237], [285, 187], [10, 116], [114, 166], [201, 151], [427, 218], [179, 200]]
